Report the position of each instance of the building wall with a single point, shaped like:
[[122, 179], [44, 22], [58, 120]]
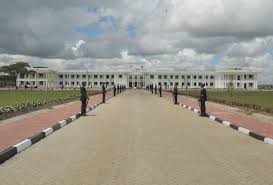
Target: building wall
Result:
[[237, 79]]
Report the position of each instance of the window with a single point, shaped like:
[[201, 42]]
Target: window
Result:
[[194, 77], [194, 84], [207, 77], [244, 76], [83, 76], [165, 76], [176, 77], [188, 77], [135, 77], [176, 83], [182, 77], [107, 83], [72, 76], [171, 76], [89, 76], [141, 77], [159, 77], [107, 76], [211, 84], [238, 77], [182, 84], [159, 83], [95, 76], [66, 83], [250, 76], [66, 76], [41, 75], [151, 76], [112, 76], [61, 83], [112, 83], [78, 76], [21, 75], [130, 77], [101, 76], [250, 85], [238, 84], [165, 83], [95, 83], [78, 83], [72, 83], [199, 83], [211, 77], [171, 84], [41, 83], [200, 77], [189, 84], [120, 76]]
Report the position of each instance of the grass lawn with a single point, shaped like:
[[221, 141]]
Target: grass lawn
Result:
[[15, 97], [260, 100]]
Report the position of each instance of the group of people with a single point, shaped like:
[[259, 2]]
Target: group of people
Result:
[[84, 96], [118, 89], [154, 89], [202, 98], [151, 88]]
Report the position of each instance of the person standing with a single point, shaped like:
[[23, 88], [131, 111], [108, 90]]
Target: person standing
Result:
[[160, 90], [114, 90], [103, 93], [202, 100], [175, 93], [118, 89], [152, 88], [155, 89], [84, 99]]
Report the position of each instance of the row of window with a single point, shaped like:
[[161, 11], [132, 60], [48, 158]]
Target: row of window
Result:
[[89, 76], [186, 84], [38, 75], [183, 77], [89, 83]]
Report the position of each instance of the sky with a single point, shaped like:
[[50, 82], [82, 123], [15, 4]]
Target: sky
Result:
[[124, 34]]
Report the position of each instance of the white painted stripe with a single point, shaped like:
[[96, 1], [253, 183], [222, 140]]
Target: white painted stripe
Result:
[[195, 110], [268, 140], [189, 108], [62, 123], [73, 117], [226, 123], [48, 131], [87, 109], [23, 145], [185, 106], [212, 117], [180, 104], [243, 130]]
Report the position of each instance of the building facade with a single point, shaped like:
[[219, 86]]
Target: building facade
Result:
[[46, 78]]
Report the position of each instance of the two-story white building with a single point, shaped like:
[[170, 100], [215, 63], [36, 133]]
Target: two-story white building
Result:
[[47, 78]]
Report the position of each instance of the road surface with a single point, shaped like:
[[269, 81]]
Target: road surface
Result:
[[140, 139]]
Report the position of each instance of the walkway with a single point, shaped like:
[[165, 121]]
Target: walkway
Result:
[[140, 139]]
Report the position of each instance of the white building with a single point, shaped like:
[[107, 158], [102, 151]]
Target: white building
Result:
[[237, 78]]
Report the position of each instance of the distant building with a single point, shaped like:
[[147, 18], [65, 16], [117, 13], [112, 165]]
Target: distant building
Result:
[[236, 78]]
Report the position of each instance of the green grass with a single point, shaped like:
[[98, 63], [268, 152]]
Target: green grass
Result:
[[15, 97], [260, 100]]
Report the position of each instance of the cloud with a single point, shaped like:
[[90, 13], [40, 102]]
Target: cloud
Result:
[[176, 34]]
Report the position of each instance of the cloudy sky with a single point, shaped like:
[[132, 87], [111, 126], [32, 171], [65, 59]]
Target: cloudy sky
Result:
[[158, 34]]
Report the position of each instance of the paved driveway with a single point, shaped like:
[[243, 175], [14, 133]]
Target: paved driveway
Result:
[[140, 139]]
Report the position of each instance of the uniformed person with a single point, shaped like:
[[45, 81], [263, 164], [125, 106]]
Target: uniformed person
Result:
[[175, 93], [160, 90], [203, 99], [155, 89], [84, 98], [114, 90], [152, 88], [118, 88], [103, 93]]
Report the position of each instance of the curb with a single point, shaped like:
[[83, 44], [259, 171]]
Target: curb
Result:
[[23, 145], [229, 124]]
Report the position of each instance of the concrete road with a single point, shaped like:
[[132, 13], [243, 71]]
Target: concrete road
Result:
[[140, 139]]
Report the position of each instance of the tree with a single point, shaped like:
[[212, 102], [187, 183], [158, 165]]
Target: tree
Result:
[[14, 69], [51, 76]]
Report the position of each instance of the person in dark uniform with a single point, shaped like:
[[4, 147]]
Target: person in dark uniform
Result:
[[84, 98], [175, 93], [114, 90], [202, 100], [103, 93], [118, 89], [152, 88], [160, 90], [155, 89]]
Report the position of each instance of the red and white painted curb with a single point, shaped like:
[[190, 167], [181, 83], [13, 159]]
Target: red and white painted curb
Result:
[[21, 146], [229, 124]]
